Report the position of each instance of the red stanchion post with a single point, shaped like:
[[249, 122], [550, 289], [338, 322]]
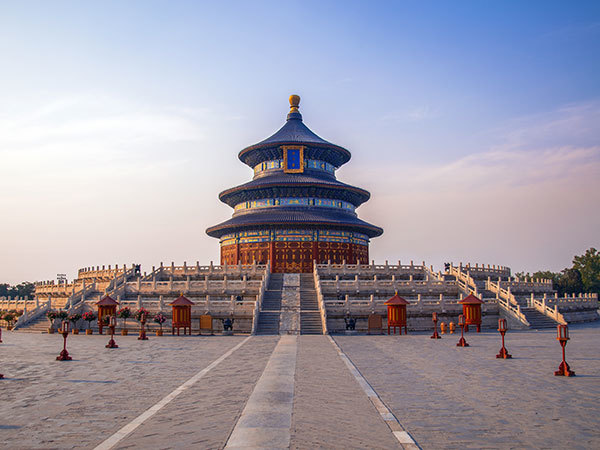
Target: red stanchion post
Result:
[[502, 327], [564, 370], [111, 324], [461, 324], [64, 355], [142, 336], [435, 334]]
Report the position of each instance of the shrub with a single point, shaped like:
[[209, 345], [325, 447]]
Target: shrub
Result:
[[88, 317], [160, 318], [124, 313], [9, 317], [139, 313], [74, 318]]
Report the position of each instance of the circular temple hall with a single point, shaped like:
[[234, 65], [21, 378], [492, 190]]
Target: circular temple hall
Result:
[[294, 211]]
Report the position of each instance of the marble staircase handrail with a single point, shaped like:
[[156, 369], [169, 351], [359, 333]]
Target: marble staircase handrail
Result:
[[320, 300]]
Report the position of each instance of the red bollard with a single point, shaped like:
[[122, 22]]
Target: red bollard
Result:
[[64, 355], [502, 329], [142, 336], [563, 336], [461, 323], [435, 334], [111, 324]]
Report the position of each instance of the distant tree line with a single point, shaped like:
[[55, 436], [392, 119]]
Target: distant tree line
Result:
[[582, 276], [20, 290]]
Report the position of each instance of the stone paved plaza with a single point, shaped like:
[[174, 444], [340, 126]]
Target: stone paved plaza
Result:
[[444, 396]]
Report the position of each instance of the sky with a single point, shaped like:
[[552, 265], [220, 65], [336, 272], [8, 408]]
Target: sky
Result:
[[474, 125]]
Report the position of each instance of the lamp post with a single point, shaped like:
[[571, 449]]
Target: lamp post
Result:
[[64, 355], [502, 329], [461, 324], [435, 334], [111, 324], [564, 370], [142, 336]]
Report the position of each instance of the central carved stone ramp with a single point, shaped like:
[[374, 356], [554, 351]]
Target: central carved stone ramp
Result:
[[310, 317], [268, 318]]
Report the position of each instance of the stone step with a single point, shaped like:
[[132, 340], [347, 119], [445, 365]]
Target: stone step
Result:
[[310, 322], [268, 323], [538, 320]]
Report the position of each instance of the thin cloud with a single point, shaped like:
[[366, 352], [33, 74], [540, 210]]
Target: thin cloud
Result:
[[415, 114], [525, 198]]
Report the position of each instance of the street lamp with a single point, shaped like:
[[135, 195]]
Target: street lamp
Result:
[[64, 355], [461, 324], [435, 334], [502, 328], [564, 370]]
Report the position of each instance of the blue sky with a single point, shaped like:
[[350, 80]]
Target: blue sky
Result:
[[473, 124]]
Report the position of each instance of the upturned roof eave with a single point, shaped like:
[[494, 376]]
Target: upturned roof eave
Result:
[[223, 228], [243, 154], [363, 194]]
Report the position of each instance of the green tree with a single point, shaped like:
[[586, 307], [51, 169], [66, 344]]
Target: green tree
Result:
[[588, 265], [522, 275], [24, 289], [570, 282]]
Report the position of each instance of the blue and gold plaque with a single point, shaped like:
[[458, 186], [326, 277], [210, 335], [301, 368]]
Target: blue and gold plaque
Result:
[[293, 159]]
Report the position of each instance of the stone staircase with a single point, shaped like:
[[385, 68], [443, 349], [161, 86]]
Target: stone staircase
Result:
[[268, 318], [536, 319], [310, 317], [38, 325]]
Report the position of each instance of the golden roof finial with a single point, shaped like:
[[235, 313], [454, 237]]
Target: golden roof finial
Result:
[[294, 102]]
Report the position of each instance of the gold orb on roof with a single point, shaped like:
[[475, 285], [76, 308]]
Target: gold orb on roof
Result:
[[294, 102]]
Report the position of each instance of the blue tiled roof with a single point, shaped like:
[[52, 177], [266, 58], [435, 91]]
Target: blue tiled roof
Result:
[[283, 180], [295, 217], [295, 132]]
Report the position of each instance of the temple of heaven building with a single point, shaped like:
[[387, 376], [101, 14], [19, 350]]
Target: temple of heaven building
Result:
[[294, 211]]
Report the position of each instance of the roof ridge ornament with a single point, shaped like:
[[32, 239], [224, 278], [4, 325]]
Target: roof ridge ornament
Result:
[[294, 112]]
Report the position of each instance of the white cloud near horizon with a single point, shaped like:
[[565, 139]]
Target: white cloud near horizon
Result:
[[530, 198], [91, 178]]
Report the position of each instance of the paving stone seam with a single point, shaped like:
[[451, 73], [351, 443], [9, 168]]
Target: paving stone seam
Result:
[[131, 426], [399, 432], [266, 419]]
